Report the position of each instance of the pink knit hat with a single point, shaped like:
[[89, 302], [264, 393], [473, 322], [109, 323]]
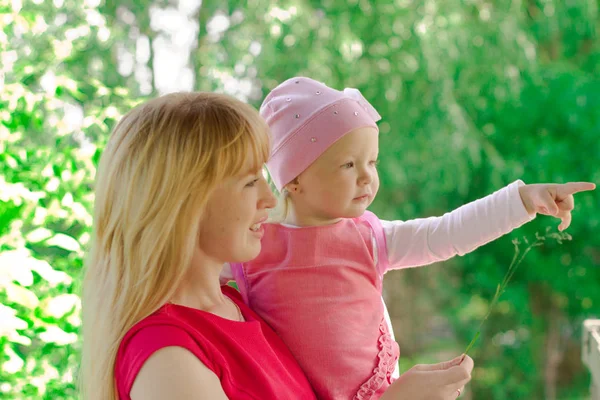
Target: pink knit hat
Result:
[[306, 117]]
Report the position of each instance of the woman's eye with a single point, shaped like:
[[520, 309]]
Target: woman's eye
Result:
[[374, 162]]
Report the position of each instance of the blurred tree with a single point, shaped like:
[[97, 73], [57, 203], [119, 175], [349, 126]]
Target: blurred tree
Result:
[[60, 93]]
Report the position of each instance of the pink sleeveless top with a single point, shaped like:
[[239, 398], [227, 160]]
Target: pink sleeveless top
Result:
[[249, 359], [320, 290]]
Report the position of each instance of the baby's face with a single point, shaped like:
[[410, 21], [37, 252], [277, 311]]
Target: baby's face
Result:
[[343, 181]]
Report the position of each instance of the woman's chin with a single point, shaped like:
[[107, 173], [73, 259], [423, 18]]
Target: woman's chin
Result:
[[249, 254]]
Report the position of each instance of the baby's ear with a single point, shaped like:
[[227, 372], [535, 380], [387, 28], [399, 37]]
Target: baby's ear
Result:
[[293, 186]]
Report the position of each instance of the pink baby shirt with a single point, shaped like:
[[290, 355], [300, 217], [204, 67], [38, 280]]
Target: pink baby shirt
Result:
[[319, 287]]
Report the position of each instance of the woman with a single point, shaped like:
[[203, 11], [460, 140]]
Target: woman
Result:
[[180, 191]]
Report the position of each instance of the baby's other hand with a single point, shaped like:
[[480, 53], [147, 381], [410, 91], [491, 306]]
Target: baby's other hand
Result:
[[553, 199]]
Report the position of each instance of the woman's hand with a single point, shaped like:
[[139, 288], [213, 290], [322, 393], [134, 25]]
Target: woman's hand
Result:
[[553, 199], [442, 381]]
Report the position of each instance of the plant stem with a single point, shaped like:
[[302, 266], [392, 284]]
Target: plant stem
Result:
[[502, 286]]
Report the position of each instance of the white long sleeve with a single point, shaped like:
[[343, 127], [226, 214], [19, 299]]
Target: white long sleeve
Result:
[[424, 241]]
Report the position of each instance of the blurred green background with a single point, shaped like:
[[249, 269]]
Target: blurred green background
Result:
[[474, 94]]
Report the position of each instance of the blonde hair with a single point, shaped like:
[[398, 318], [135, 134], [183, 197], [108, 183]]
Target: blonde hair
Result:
[[161, 164]]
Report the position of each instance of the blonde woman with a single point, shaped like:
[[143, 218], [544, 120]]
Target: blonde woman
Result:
[[180, 192]]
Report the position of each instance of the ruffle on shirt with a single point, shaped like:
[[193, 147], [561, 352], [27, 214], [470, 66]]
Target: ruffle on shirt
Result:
[[386, 364]]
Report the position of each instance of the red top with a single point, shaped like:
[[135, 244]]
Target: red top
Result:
[[250, 360]]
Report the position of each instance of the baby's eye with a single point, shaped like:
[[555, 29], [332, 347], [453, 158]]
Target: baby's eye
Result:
[[348, 165], [374, 162]]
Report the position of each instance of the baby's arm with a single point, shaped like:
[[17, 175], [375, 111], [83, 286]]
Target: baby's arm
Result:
[[427, 240]]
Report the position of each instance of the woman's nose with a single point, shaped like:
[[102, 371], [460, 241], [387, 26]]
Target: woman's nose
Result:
[[268, 199]]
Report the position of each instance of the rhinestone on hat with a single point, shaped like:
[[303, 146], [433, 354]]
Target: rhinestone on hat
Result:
[[318, 92], [297, 116], [355, 112], [335, 112], [313, 139], [288, 99]]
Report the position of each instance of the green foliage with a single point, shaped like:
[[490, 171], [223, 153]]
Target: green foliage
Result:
[[49, 96], [518, 258], [473, 95]]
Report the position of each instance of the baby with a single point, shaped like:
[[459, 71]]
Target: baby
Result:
[[318, 278]]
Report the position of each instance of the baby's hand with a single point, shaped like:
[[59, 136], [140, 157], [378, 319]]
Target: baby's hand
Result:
[[553, 199]]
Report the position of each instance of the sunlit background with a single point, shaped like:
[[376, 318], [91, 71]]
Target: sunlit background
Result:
[[474, 94]]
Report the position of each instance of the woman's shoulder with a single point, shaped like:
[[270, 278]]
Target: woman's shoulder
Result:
[[174, 325], [151, 331], [156, 327], [160, 330]]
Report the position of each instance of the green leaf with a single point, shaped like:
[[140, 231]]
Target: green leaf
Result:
[[65, 242], [38, 235]]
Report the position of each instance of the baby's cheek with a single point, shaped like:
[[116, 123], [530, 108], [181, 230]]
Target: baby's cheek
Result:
[[332, 192], [375, 185]]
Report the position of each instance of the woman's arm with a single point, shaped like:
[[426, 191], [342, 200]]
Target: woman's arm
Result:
[[174, 373]]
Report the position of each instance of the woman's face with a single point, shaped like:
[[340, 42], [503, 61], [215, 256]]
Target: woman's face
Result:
[[231, 228]]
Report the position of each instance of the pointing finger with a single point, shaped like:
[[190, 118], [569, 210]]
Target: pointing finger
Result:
[[575, 187]]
